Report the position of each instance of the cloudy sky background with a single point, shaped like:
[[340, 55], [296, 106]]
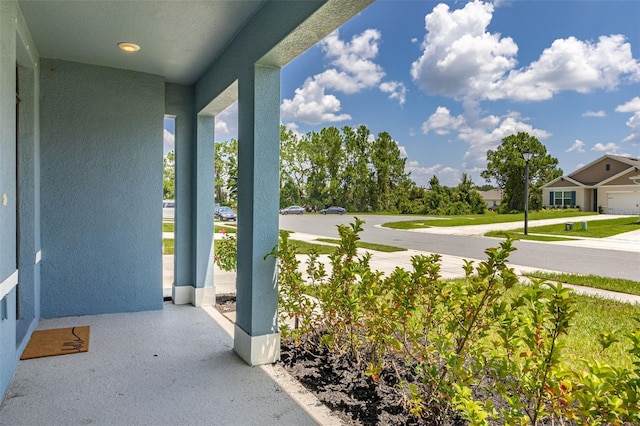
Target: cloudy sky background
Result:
[[449, 80]]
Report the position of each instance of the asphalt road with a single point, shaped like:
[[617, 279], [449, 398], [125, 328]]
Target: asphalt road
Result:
[[556, 257]]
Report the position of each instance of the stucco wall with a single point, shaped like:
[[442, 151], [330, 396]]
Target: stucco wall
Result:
[[7, 186], [101, 193]]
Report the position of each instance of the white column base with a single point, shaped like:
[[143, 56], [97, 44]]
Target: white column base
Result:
[[256, 350], [185, 294]]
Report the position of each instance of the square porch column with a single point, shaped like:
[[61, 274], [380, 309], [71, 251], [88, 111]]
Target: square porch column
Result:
[[256, 338]]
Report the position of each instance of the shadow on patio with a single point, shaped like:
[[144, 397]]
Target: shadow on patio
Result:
[[174, 366]]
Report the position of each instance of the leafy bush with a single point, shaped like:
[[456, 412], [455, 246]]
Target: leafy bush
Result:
[[477, 352], [225, 252]]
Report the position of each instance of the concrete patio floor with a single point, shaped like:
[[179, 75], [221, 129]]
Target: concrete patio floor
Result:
[[169, 367]]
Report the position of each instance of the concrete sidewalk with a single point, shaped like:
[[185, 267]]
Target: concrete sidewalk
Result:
[[452, 267]]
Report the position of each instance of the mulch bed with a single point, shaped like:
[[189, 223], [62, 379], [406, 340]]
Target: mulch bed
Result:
[[225, 302], [343, 387]]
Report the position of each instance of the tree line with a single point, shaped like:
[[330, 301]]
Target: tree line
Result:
[[361, 172]]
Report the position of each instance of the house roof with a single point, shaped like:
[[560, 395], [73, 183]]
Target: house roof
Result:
[[491, 194], [633, 163]]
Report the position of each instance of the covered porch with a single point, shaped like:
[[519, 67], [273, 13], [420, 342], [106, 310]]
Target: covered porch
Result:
[[167, 367], [81, 172]]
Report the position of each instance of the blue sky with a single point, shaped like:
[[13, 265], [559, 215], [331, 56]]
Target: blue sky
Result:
[[449, 80]]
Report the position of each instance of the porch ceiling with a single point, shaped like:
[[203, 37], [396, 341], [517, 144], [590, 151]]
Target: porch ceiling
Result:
[[179, 39]]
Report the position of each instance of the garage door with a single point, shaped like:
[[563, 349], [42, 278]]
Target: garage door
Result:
[[623, 202]]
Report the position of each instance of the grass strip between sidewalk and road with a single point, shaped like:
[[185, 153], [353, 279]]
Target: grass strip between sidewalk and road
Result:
[[168, 245], [515, 235], [605, 283], [557, 232], [483, 219], [595, 228]]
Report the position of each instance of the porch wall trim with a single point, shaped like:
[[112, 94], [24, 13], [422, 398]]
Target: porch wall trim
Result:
[[186, 294], [8, 284], [256, 350]]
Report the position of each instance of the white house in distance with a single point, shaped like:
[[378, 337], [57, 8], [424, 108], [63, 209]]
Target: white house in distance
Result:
[[610, 184], [492, 197]]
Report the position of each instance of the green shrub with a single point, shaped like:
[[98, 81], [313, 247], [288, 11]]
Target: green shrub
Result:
[[466, 339]]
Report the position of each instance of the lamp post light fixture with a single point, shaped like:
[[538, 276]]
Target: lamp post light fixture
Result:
[[528, 155]]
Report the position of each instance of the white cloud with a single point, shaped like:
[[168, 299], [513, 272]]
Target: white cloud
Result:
[[414, 40], [226, 122], [448, 176], [610, 148], [396, 89], [578, 146], [442, 122], [572, 64], [169, 142], [461, 59], [481, 134], [633, 106], [312, 105], [352, 70], [597, 114], [403, 150]]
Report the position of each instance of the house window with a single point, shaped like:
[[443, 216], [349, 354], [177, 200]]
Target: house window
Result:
[[564, 198], [607, 167]]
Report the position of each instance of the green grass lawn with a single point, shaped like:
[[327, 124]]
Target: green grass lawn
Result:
[[595, 228], [594, 316], [369, 246], [167, 226], [168, 245], [515, 235], [604, 283], [483, 219], [557, 232]]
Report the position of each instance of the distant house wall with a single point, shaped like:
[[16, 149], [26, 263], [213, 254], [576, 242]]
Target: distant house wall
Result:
[[571, 196], [492, 197], [619, 199], [101, 141], [599, 171]]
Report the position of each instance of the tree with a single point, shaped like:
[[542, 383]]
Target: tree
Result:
[[506, 167], [295, 167], [169, 176], [226, 171], [468, 199]]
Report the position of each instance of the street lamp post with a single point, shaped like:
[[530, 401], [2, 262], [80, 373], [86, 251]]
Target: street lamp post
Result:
[[528, 155]]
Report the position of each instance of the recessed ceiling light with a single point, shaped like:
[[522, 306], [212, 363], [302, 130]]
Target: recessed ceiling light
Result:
[[128, 47]]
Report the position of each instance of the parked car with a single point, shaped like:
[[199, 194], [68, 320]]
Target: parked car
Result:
[[333, 210], [292, 210], [226, 213]]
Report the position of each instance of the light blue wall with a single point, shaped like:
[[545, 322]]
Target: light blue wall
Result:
[[8, 358], [7, 140], [101, 147]]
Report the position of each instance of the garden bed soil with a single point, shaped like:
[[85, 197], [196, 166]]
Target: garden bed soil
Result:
[[352, 396], [355, 398]]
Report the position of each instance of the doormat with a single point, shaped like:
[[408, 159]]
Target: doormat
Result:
[[57, 341]]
